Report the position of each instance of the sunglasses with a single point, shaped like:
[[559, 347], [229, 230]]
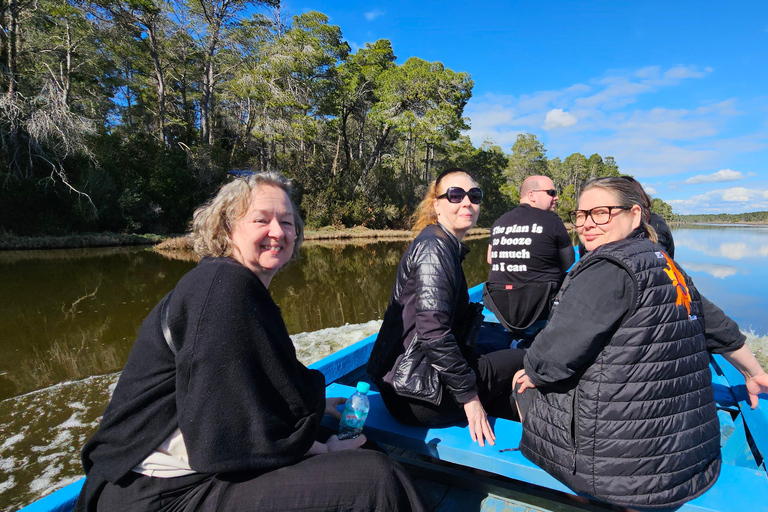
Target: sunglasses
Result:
[[551, 192], [457, 195]]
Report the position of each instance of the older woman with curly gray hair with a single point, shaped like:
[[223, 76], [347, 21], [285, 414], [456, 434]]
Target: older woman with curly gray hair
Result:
[[213, 410]]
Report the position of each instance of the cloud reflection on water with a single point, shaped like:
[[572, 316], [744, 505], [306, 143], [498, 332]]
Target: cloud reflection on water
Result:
[[718, 271]]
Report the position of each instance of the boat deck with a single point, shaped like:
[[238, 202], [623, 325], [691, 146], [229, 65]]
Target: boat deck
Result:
[[744, 438]]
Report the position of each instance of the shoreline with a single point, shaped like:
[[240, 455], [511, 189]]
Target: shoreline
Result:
[[181, 243], [718, 223]]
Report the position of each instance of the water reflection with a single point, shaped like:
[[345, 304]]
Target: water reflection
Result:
[[70, 314], [729, 264], [719, 271]]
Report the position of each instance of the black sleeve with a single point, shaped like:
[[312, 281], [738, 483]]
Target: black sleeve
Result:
[[664, 234], [244, 400], [567, 257], [437, 284], [588, 314], [721, 331], [565, 253]]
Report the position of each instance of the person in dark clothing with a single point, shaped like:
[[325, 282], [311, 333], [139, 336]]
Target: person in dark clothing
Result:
[[616, 397], [423, 361], [663, 233], [529, 252], [213, 411]]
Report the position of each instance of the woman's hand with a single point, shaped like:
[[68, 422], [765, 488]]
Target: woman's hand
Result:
[[754, 376], [335, 444], [523, 381], [756, 385], [331, 405], [479, 428]]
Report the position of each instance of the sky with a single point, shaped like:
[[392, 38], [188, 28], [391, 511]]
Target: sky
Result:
[[676, 91]]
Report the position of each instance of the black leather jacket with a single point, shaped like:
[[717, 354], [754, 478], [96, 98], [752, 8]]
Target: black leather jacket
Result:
[[417, 352]]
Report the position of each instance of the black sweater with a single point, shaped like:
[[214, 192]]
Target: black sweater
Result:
[[235, 389]]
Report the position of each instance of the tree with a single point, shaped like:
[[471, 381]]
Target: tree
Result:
[[147, 24], [49, 56], [662, 208], [356, 93], [529, 158], [215, 18], [420, 97], [577, 171]]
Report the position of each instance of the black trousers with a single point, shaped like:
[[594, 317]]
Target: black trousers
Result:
[[356, 481], [494, 372]]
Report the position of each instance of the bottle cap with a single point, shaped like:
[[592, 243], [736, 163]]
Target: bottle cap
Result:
[[363, 387]]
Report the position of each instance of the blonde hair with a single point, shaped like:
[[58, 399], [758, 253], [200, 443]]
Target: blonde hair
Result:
[[628, 193], [212, 223], [425, 213]]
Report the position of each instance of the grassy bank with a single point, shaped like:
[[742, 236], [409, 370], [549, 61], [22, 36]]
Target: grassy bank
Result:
[[181, 243], [323, 234], [13, 243]]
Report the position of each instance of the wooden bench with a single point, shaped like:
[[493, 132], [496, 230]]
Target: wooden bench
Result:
[[453, 444]]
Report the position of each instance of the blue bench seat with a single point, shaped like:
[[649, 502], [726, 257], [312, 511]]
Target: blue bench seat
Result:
[[453, 444]]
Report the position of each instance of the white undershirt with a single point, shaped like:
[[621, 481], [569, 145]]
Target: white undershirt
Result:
[[169, 460]]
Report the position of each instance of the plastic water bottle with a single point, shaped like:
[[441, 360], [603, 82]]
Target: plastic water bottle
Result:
[[355, 412]]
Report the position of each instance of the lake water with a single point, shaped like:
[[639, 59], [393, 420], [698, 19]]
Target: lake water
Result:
[[68, 319], [729, 265]]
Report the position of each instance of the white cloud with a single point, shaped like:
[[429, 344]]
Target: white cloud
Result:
[[650, 190], [720, 176], [682, 72], [372, 15], [736, 195], [723, 200], [557, 118]]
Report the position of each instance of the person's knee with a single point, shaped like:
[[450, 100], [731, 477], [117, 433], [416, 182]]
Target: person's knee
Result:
[[378, 464]]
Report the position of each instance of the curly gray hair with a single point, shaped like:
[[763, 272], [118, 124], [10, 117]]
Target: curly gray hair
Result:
[[212, 223]]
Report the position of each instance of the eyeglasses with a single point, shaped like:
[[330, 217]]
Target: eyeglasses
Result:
[[551, 192], [457, 195], [600, 215]]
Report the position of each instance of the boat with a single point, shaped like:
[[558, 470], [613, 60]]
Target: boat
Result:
[[454, 473]]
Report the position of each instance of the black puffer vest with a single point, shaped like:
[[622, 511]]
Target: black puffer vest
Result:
[[640, 427]]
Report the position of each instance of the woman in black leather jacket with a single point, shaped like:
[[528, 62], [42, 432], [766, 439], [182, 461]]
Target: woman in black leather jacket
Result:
[[423, 361]]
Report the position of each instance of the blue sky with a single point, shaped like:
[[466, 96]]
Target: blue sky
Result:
[[675, 91]]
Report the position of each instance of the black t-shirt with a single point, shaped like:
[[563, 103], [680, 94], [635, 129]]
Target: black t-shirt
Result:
[[525, 246]]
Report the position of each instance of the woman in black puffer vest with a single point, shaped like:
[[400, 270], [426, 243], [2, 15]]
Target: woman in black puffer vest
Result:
[[423, 361], [616, 395]]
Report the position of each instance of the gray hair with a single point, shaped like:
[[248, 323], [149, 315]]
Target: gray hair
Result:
[[212, 223]]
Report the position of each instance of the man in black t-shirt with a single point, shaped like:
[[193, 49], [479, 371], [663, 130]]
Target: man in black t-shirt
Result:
[[529, 252]]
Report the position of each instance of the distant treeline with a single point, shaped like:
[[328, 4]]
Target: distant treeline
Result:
[[724, 218], [124, 115]]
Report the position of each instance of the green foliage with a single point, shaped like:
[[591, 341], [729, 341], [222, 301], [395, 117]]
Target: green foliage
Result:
[[528, 158], [124, 115], [760, 217], [662, 208]]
